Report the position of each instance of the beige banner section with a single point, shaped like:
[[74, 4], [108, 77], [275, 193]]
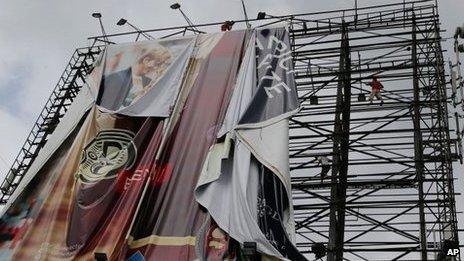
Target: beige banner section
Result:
[[161, 241]]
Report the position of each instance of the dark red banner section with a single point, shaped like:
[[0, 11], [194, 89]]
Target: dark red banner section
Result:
[[169, 219], [112, 237], [93, 202]]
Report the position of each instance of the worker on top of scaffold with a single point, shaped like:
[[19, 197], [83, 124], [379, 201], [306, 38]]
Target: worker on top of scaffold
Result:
[[376, 89]]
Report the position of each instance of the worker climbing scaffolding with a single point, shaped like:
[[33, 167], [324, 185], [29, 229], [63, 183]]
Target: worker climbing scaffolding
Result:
[[377, 87], [325, 166]]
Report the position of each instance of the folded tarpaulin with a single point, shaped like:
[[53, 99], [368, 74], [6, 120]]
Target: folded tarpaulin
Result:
[[253, 148]]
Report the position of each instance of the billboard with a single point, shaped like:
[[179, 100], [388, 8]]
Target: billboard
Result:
[[165, 156]]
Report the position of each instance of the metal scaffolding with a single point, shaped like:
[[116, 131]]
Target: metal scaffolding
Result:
[[389, 193]]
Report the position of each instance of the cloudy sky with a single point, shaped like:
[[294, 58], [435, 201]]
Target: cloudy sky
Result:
[[38, 38]]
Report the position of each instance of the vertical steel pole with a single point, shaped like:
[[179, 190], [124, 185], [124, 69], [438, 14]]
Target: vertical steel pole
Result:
[[418, 148], [340, 152]]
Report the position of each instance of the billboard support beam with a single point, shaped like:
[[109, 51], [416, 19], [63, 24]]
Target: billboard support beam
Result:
[[418, 146], [340, 151]]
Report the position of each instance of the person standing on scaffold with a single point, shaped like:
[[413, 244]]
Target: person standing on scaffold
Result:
[[376, 89]]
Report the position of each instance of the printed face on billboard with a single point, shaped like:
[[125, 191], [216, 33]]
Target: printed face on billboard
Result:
[[130, 72]]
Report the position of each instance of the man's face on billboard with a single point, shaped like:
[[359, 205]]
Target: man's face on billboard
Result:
[[146, 65]]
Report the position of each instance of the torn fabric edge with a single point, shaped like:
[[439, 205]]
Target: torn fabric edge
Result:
[[230, 174], [267, 139]]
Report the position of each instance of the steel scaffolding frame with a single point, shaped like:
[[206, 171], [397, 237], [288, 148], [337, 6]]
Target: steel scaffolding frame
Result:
[[389, 194]]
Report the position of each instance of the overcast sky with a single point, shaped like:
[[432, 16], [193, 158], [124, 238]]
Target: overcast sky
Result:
[[38, 37]]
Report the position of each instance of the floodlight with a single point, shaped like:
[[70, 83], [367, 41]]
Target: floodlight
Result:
[[121, 21], [189, 22], [175, 6], [99, 16]]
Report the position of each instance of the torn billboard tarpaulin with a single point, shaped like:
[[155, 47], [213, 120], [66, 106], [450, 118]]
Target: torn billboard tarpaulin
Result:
[[143, 79], [264, 130], [169, 218], [161, 125], [252, 151]]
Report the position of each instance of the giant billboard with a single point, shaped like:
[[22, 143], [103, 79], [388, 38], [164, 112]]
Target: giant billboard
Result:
[[176, 149]]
